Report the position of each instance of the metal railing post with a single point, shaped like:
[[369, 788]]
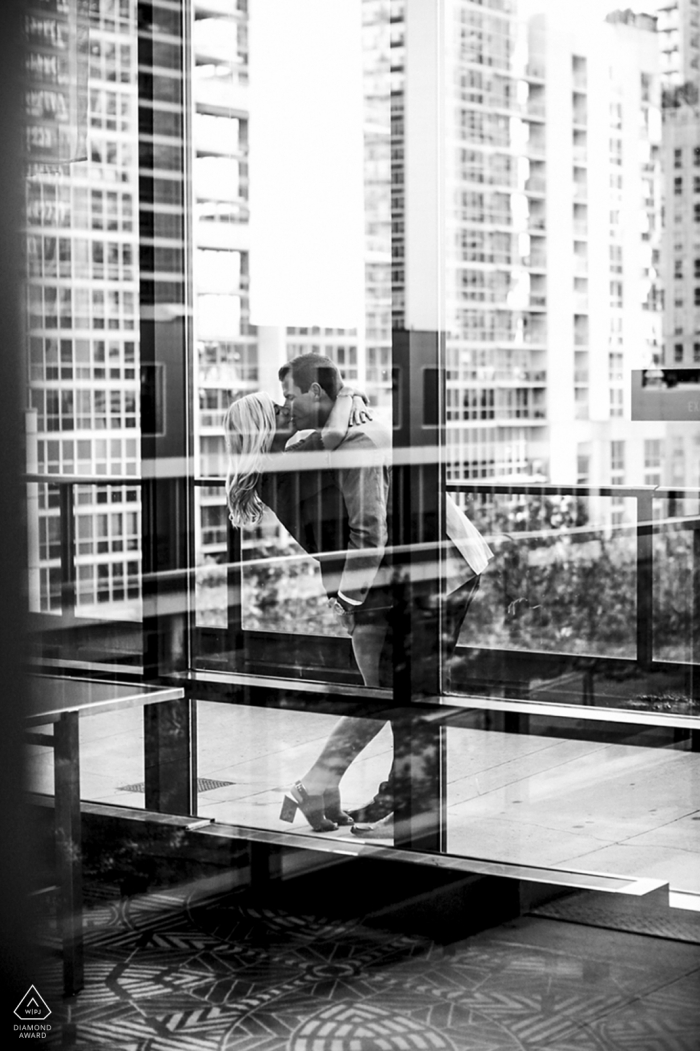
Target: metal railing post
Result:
[[645, 579], [68, 574]]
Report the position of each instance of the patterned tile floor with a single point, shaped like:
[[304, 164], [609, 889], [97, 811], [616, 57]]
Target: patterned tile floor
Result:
[[173, 971]]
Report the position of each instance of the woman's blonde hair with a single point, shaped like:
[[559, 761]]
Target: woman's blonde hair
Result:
[[249, 428]]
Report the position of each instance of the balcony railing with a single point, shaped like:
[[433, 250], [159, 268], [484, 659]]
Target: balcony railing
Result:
[[535, 71], [641, 532], [536, 184], [536, 148]]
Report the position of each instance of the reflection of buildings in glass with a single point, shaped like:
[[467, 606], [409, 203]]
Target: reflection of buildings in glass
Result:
[[546, 312], [495, 238], [679, 36], [678, 26], [233, 356], [546, 316], [542, 187], [82, 300], [603, 241], [226, 345]]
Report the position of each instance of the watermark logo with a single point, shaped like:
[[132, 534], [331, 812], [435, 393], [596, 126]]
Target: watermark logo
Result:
[[32, 1007]]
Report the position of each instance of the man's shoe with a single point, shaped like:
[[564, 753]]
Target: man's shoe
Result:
[[377, 808], [383, 829]]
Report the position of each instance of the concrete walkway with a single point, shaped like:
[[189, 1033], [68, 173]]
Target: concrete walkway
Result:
[[610, 808]]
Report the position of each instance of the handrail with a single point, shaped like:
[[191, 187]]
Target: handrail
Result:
[[475, 486], [643, 529], [82, 479]]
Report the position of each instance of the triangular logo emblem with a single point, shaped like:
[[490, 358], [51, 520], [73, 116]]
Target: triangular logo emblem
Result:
[[32, 1007]]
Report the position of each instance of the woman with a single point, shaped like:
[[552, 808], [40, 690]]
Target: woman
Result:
[[256, 428], [257, 432]]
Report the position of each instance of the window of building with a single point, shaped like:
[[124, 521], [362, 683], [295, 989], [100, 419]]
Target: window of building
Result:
[[616, 294], [677, 352], [617, 460], [616, 259], [615, 360], [652, 461]]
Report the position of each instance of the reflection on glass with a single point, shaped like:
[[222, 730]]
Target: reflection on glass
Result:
[[592, 797], [676, 579], [548, 300], [564, 578], [82, 299], [281, 585], [248, 757]]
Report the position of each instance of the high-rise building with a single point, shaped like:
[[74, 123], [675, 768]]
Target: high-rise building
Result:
[[551, 148], [82, 287], [679, 40], [550, 287], [226, 345], [233, 356], [495, 245], [679, 35], [678, 26], [603, 212]]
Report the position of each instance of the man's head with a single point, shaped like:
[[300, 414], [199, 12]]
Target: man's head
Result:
[[311, 384]]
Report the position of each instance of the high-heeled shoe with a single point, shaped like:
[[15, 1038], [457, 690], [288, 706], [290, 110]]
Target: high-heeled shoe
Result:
[[379, 807], [333, 809], [312, 807]]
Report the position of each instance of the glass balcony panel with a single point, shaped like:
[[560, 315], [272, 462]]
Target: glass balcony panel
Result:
[[547, 591], [550, 792], [676, 556], [249, 757]]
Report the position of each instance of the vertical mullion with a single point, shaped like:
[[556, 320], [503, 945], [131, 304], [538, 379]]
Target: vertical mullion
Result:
[[67, 526], [68, 848], [645, 578]]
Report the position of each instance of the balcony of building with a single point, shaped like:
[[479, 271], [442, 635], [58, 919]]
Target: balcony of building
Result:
[[580, 189], [536, 185], [536, 145], [581, 337], [556, 706], [218, 136], [222, 89], [537, 216], [579, 110], [220, 8], [536, 259], [535, 105], [538, 292], [580, 266], [536, 72]]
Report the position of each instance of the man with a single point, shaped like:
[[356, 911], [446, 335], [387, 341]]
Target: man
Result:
[[341, 518], [344, 510]]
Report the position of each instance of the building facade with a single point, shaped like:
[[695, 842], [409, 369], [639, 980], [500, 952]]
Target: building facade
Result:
[[550, 292]]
